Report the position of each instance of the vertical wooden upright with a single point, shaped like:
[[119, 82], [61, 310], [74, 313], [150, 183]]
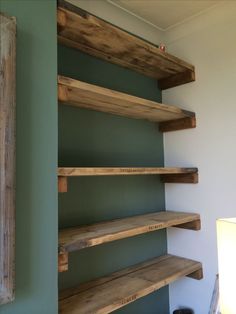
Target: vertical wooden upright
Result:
[[7, 156]]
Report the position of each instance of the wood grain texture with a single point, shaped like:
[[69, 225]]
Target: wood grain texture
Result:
[[81, 30], [112, 171], [76, 238], [7, 157], [88, 96], [107, 294]]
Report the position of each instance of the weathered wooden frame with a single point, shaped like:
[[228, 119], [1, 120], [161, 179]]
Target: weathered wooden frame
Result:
[[7, 156]]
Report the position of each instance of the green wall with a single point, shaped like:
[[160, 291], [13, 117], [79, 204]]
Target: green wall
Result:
[[86, 138], [36, 195], [89, 138]]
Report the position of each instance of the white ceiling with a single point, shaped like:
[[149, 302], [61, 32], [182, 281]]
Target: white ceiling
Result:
[[165, 14]]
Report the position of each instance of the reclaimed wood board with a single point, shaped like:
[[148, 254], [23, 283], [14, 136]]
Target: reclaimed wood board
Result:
[[112, 171], [7, 157], [107, 294], [76, 238], [80, 30], [80, 94]]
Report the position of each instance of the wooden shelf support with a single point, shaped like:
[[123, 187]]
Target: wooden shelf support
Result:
[[192, 225], [197, 274], [177, 79], [176, 125], [63, 261], [180, 178], [62, 184]]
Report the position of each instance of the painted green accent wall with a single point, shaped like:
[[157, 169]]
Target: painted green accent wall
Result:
[[86, 138], [89, 138], [36, 195]]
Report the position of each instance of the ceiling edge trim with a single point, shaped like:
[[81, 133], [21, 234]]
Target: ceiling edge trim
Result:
[[194, 16], [226, 11], [135, 15], [169, 28]]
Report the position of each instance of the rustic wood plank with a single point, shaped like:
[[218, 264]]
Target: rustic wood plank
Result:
[[88, 96], [7, 157], [83, 31], [62, 184], [107, 294], [111, 171], [76, 238], [103, 280], [180, 178], [63, 262], [176, 125]]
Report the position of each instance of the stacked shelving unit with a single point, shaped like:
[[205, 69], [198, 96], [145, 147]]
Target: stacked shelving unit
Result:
[[80, 30]]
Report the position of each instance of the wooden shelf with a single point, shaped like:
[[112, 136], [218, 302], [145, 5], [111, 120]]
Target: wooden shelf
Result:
[[113, 171], [84, 95], [107, 294], [77, 238], [81, 30], [168, 175]]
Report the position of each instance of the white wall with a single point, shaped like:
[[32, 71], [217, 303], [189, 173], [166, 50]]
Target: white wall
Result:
[[208, 42]]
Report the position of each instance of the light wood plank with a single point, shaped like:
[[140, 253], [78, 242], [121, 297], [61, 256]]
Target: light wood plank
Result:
[[167, 175], [83, 31], [7, 157], [76, 238], [112, 171], [88, 96], [102, 280], [107, 294]]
